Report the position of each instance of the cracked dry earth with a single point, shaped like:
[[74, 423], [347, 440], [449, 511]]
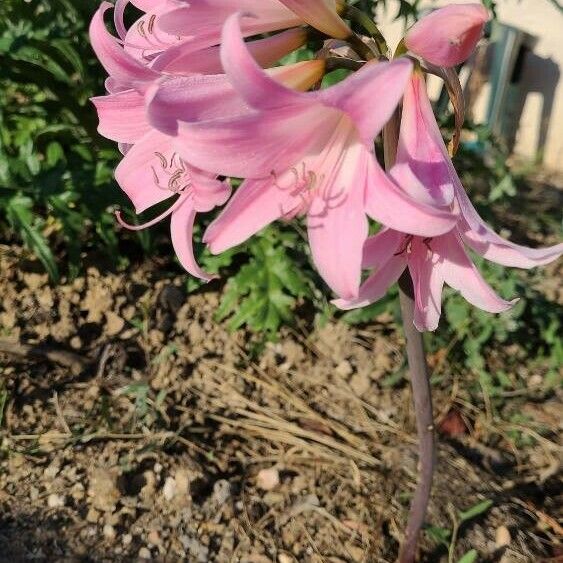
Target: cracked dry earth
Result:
[[135, 427]]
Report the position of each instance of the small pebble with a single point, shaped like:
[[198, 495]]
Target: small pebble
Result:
[[109, 532], [144, 553], [55, 501], [169, 489], [127, 539], [268, 479], [502, 537]]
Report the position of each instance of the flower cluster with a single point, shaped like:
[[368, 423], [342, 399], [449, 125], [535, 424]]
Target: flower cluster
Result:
[[196, 96]]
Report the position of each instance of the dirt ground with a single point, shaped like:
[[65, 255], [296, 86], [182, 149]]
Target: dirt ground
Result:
[[134, 426]]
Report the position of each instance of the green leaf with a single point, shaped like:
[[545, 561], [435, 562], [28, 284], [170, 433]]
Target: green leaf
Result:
[[475, 511], [439, 535], [20, 215], [469, 557]]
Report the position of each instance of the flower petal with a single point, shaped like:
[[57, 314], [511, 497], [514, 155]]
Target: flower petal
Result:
[[181, 229], [426, 270], [461, 274], [248, 78], [255, 204], [421, 145], [253, 145], [188, 58], [204, 20], [138, 171], [376, 286], [390, 205], [121, 66], [208, 97], [322, 15], [380, 248], [337, 222], [355, 95], [122, 116], [483, 240]]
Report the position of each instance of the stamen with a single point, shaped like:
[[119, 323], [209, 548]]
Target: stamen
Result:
[[407, 246], [151, 23], [154, 221], [141, 29]]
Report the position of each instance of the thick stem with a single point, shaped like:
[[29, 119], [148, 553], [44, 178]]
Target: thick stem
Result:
[[422, 397], [420, 381]]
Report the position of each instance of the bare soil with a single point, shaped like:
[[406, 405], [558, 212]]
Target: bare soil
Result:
[[134, 426]]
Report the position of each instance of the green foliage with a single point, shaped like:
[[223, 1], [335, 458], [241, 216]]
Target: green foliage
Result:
[[264, 291], [447, 537], [55, 174]]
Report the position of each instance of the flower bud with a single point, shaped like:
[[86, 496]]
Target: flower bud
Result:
[[448, 36]]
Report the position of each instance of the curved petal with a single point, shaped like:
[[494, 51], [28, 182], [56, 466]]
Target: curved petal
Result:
[[204, 19], [421, 145], [187, 58], [390, 205], [142, 171], [376, 286], [355, 95], [460, 273], [181, 229], [208, 97], [118, 64], [191, 98], [248, 78], [122, 116], [255, 204], [208, 192], [380, 248], [483, 240], [426, 269], [322, 15], [145, 41], [253, 145], [337, 224]]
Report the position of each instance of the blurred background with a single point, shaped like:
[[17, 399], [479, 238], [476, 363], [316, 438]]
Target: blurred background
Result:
[[143, 415]]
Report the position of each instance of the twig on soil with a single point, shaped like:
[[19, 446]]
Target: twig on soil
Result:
[[60, 414], [76, 363]]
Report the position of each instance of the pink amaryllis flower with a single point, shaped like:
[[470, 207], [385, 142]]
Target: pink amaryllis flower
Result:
[[449, 35], [307, 154], [432, 262], [422, 149], [128, 71], [152, 171], [425, 170]]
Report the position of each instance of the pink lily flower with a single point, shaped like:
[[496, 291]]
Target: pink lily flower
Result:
[[307, 154], [152, 172], [321, 14], [422, 149], [425, 170], [449, 35], [432, 262], [128, 71]]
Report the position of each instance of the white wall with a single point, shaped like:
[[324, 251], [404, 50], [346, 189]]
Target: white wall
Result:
[[541, 19]]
